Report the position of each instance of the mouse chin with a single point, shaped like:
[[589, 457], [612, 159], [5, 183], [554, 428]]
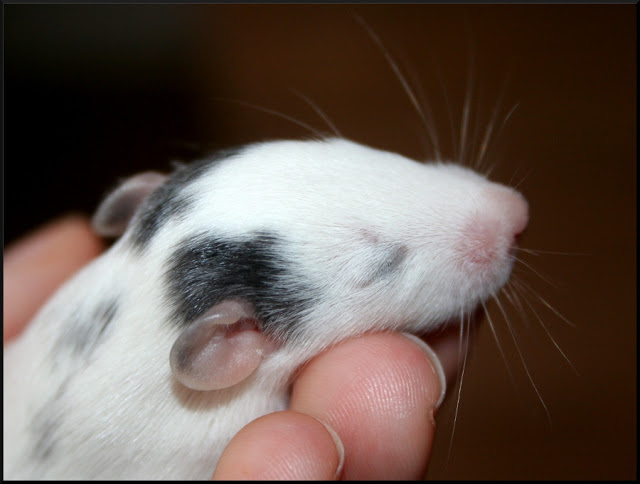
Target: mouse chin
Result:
[[471, 319]]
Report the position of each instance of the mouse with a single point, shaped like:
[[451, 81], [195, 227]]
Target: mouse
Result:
[[225, 277]]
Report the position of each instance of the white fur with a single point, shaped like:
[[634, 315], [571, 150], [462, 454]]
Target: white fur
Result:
[[124, 416]]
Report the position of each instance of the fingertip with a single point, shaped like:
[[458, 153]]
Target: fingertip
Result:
[[46, 239], [450, 350], [379, 393], [436, 364], [282, 445]]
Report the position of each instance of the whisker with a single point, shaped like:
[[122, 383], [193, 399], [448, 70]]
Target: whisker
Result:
[[524, 285], [423, 100], [497, 137], [462, 350], [535, 272], [449, 111], [403, 81], [465, 109], [318, 111], [548, 332], [526, 369], [476, 129], [511, 179], [515, 301], [487, 136], [495, 336], [275, 113], [538, 252], [522, 180]]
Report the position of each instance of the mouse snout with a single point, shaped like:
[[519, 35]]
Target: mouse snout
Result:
[[511, 207], [491, 232]]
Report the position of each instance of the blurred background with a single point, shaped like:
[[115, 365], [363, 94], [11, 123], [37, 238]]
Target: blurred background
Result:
[[97, 92]]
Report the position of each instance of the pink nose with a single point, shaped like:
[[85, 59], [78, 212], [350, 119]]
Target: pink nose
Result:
[[511, 207], [491, 234]]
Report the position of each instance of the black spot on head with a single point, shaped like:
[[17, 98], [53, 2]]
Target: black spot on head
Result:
[[85, 328], [169, 200], [206, 270]]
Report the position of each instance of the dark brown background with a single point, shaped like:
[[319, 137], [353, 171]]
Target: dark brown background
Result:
[[96, 92]]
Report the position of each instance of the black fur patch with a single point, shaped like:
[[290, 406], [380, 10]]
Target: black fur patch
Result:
[[169, 200], [206, 270], [85, 329]]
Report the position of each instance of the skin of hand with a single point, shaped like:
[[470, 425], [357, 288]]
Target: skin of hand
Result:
[[362, 410]]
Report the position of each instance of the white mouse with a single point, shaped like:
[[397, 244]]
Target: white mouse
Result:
[[229, 274]]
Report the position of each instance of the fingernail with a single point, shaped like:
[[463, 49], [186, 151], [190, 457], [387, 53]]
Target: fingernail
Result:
[[339, 447], [435, 363]]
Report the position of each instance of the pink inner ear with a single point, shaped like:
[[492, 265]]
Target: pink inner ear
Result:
[[219, 350]]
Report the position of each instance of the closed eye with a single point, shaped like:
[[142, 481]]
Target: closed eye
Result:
[[386, 259]]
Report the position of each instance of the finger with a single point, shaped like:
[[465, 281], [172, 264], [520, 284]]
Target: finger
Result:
[[452, 344], [281, 445], [36, 265], [380, 393]]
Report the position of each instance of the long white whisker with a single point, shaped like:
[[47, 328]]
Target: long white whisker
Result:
[[449, 111], [275, 113], [547, 331], [524, 285], [538, 252], [495, 336], [319, 112], [465, 111], [423, 100], [462, 350], [511, 179], [489, 130], [497, 137], [523, 179], [515, 301], [526, 369], [476, 129], [404, 83], [535, 272]]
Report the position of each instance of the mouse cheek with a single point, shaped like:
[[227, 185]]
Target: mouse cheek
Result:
[[217, 351]]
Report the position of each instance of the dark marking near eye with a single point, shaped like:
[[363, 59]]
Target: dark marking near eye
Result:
[[391, 261], [46, 424], [46, 430], [206, 270], [168, 201], [389, 254], [85, 329]]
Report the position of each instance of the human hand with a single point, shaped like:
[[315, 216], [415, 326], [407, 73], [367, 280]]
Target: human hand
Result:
[[38, 263], [378, 393]]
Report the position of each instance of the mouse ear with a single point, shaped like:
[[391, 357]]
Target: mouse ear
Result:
[[116, 210], [219, 349]]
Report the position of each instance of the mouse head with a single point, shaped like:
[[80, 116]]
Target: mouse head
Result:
[[309, 242]]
